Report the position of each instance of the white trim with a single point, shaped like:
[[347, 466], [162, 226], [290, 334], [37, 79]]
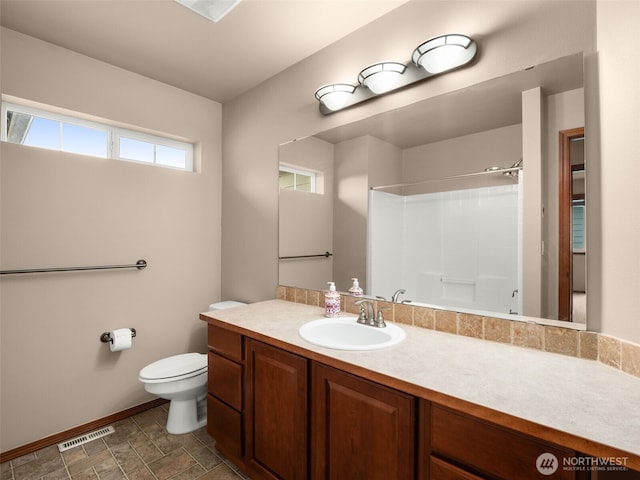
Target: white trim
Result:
[[300, 171]]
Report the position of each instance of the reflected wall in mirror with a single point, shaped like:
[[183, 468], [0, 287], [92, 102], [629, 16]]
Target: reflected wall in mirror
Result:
[[445, 137]]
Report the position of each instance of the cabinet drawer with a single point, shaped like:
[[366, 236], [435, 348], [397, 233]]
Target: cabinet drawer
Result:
[[225, 342], [489, 448], [441, 470], [225, 380], [224, 424]]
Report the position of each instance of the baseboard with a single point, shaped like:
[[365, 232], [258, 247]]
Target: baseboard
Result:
[[79, 430]]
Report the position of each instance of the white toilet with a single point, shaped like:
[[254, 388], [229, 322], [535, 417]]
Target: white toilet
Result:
[[182, 379]]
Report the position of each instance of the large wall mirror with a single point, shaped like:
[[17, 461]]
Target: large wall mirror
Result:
[[472, 201]]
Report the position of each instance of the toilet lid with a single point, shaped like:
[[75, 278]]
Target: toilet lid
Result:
[[176, 366]]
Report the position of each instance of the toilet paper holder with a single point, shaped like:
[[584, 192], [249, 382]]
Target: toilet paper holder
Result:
[[106, 336]]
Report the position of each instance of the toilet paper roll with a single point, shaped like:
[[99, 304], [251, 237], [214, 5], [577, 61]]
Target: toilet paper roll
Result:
[[120, 339]]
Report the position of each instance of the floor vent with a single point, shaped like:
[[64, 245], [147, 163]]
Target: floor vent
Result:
[[86, 438]]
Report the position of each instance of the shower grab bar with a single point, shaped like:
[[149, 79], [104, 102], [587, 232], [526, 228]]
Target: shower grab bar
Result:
[[325, 254], [459, 281], [140, 265], [452, 177]]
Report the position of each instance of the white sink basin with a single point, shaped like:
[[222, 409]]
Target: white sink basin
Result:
[[346, 334]]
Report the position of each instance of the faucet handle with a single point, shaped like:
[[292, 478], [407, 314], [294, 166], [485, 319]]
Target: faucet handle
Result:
[[362, 318], [380, 323]]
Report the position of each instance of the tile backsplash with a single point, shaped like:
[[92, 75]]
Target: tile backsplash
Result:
[[603, 348]]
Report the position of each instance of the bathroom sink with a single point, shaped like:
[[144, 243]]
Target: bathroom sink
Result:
[[346, 334]]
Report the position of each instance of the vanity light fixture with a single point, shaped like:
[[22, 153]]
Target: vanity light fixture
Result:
[[443, 53], [381, 77], [435, 56], [335, 96]]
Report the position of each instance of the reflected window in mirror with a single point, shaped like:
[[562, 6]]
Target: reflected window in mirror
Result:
[[298, 179], [578, 226]]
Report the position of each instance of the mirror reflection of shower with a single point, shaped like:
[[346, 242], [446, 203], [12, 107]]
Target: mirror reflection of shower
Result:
[[512, 171], [456, 248]]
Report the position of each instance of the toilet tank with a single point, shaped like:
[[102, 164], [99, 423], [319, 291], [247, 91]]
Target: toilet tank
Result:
[[224, 305]]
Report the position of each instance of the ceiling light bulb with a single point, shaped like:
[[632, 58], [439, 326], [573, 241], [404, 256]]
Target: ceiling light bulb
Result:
[[443, 53], [381, 77], [335, 96]]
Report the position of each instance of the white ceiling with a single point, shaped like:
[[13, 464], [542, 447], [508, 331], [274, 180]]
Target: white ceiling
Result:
[[165, 41]]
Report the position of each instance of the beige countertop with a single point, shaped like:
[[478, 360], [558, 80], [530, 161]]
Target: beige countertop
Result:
[[572, 401]]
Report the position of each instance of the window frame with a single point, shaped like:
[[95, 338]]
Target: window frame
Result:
[[300, 171], [114, 134], [117, 133], [578, 227]]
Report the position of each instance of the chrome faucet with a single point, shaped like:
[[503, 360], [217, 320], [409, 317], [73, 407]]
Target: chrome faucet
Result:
[[368, 314], [396, 294]]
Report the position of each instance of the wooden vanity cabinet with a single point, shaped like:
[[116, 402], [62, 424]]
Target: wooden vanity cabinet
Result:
[[225, 391], [279, 415], [359, 429]]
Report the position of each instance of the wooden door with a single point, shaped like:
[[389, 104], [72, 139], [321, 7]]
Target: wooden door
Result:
[[565, 250]]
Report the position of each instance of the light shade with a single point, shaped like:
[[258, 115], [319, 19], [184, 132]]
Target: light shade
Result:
[[442, 53], [381, 77], [432, 57], [335, 96], [214, 10]]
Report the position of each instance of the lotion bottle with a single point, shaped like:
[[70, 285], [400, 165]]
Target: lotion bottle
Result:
[[355, 290], [331, 301]]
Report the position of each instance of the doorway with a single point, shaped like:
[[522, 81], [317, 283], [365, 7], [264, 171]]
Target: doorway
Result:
[[572, 238]]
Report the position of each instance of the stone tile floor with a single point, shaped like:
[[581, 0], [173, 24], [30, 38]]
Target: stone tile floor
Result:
[[140, 449]]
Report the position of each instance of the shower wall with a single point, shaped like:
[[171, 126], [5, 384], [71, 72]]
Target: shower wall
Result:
[[456, 248]]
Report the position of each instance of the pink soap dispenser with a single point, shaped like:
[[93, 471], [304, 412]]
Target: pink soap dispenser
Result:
[[355, 290], [331, 301]]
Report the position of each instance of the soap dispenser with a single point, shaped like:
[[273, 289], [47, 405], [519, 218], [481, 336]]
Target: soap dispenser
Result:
[[331, 301], [355, 290]]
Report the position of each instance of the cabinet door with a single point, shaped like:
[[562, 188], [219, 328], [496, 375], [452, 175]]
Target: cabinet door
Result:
[[359, 429], [276, 412]]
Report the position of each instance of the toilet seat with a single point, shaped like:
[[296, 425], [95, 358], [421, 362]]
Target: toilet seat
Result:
[[177, 367]]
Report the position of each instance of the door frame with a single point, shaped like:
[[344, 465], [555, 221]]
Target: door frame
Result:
[[565, 251]]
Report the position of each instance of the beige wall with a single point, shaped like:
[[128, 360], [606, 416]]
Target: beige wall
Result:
[[61, 209], [511, 35], [501, 147], [297, 235], [361, 163], [562, 112], [614, 282]]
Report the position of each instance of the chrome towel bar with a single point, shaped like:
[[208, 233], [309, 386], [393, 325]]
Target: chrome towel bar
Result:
[[140, 265], [325, 254]]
